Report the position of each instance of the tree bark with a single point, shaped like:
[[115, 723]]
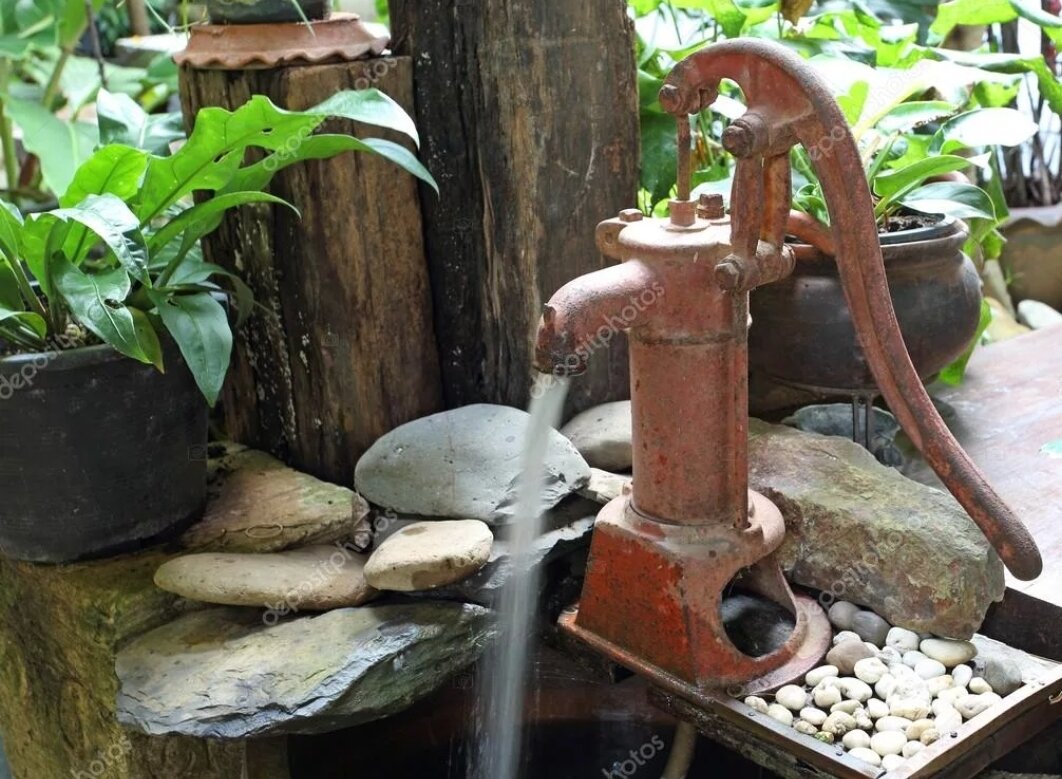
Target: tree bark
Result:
[[344, 349], [528, 110]]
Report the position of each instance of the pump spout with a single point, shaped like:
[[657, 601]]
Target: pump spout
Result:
[[587, 313]]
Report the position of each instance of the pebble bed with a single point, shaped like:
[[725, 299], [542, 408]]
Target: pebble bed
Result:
[[884, 693]]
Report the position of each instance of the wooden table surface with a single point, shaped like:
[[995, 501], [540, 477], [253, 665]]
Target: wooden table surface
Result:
[[1008, 417]]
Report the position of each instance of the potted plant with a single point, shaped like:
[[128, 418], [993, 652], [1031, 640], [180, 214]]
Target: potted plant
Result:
[[115, 334], [267, 11]]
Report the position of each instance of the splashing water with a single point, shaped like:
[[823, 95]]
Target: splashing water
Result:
[[506, 669]]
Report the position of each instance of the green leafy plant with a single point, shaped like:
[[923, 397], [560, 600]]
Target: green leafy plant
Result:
[[117, 262]]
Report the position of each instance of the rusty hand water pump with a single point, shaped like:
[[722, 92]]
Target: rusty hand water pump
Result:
[[662, 556]]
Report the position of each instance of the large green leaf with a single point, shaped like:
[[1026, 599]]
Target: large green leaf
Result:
[[10, 230], [370, 106], [731, 19], [114, 169], [61, 146], [962, 201], [984, 127], [97, 301], [970, 12], [122, 120], [1049, 23], [34, 323], [953, 374], [199, 220], [1008, 64], [200, 327], [894, 182], [907, 116], [659, 154]]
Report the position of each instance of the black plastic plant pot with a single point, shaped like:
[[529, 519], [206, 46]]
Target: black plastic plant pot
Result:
[[99, 454], [266, 11]]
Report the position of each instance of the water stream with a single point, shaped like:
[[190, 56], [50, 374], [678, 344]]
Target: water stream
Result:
[[506, 669]]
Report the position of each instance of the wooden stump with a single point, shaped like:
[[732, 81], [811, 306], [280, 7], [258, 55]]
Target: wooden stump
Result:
[[528, 114], [344, 349]]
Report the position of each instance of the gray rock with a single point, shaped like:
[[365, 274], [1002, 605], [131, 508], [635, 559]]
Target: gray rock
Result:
[[870, 627], [949, 652], [841, 614], [1003, 674], [602, 435], [604, 486], [865, 533], [260, 505], [835, 419], [846, 654], [314, 578], [1037, 315], [222, 673], [465, 463]]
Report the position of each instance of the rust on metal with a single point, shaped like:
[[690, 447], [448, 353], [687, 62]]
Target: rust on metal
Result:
[[341, 38]]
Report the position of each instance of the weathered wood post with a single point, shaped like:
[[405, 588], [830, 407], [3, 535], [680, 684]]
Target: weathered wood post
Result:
[[528, 114], [343, 348]]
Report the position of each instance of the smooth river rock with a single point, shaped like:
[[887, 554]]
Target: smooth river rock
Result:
[[866, 534], [465, 463], [222, 673], [426, 555], [316, 578], [260, 505], [602, 435]]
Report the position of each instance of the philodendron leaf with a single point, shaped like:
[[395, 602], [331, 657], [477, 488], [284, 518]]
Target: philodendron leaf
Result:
[[97, 300], [984, 127], [731, 19], [370, 106], [962, 201], [33, 322], [110, 219], [195, 222], [200, 327], [60, 145], [114, 170], [122, 120], [10, 230], [895, 182], [908, 116], [970, 12]]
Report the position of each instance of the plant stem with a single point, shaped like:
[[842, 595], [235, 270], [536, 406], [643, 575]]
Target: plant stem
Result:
[[51, 89], [7, 133]]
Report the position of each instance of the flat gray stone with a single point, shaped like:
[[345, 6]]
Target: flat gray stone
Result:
[[463, 464], [604, 486], [426, 555], [258, 504], [222, 673], [602, 435], [864, 533], [315, 578]]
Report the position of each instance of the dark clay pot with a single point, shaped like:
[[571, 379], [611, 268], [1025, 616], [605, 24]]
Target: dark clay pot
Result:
[[99, 453], [265, 11], [802, 329]]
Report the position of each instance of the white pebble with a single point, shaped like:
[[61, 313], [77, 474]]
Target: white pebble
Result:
[[792, 697], [948, 651], [848, 707], [929, 669], [856, 690], [757, 703], [918, 727], [909, 708], [914, 687], [816, 675], [912, 748], [930, 736], [979, 685], [805, 727], [866, 755], [892, 723], [888, 656], [902, 640], [939, 684], [885, 685], [947, 719], [913, 658], [889, 742], [838, 723], [815, 716], [856, 739], [970, 706], [845, 635], [952, 694], [903, 671], [962, 674], [863, 721], [826, 696], [877, 709], [870, 670], [891, 762], [781, 713]]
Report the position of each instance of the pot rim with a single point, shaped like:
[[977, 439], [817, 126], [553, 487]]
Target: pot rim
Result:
[[944, 228], [66, 359]]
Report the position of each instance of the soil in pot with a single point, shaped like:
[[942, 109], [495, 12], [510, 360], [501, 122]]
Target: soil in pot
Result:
[[99, 454], [266, 11]]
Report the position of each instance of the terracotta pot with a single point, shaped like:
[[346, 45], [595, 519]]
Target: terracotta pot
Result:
[[1032, 255], [99, 454], [266, 11], [802, 330]]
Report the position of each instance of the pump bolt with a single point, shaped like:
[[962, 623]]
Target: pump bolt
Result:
[[710, 206], [728, 273], [630, 215]]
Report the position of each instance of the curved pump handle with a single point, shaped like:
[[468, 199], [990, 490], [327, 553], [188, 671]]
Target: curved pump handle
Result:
[[789, 104]]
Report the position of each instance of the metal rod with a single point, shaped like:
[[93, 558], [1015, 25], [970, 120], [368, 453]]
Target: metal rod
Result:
[[684, 174]]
